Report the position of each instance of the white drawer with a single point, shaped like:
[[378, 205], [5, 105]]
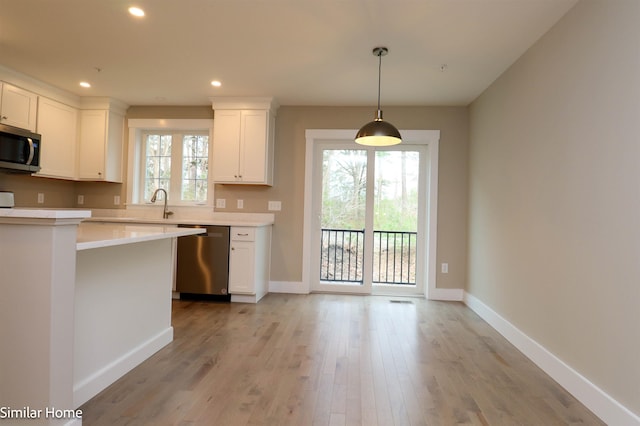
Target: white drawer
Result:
[[243, 234]]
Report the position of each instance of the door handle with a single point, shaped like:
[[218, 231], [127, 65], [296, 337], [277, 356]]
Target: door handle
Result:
[[31, 151]]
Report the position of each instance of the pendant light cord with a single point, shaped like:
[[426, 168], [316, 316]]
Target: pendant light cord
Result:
[[379, 76]]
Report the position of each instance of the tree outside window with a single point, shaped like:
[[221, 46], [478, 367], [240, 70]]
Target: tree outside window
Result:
[[182, 169]]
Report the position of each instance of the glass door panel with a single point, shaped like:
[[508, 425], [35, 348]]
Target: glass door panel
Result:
[[342, 217], [395, 218]]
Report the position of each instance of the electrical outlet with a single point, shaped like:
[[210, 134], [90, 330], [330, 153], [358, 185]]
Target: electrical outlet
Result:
[[221, 203], [445, 268], [275, 206], [80, 200], [240, 204], [116, 200], [40, 198]]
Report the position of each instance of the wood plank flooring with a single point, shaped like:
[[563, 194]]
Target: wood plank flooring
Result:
[[334, 360]]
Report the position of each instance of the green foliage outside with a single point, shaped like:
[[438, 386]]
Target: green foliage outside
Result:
[[193, 173], [395, 190]]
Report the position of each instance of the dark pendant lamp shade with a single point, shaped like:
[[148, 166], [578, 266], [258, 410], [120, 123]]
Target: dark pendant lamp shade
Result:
[[378, 132]]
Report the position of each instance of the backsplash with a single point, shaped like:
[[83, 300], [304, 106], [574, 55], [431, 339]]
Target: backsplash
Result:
[[180, 213], [33, 191], [28, 190]]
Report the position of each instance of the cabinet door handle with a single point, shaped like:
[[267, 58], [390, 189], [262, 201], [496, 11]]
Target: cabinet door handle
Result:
[[243, 235], [4, 117]]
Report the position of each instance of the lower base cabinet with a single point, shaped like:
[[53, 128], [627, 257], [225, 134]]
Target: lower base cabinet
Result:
[[249, 260]]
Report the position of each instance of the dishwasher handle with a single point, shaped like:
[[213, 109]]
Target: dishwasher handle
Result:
[[211, 235], [211, 231]]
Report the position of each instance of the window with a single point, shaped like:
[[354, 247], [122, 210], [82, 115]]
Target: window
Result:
[[172, 154], [157, 164], [195, 168], [178, 162]]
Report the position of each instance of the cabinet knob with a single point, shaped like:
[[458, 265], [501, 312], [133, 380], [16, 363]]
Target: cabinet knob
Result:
[[4, 117]]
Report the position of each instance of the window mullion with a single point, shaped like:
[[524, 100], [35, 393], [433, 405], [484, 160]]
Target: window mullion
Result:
[[143, 167], [176, 169]]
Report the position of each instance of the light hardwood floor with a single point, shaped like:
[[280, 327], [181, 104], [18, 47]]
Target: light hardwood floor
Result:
[[335, 360]]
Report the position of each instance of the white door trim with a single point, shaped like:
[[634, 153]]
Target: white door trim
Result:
[[430, 138]]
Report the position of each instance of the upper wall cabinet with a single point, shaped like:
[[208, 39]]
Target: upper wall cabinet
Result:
[[101, 144], [18, 107], [243, 140], [58, 125]]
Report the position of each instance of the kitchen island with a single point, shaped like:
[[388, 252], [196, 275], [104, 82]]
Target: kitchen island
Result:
[[80, 305], [124, 278]]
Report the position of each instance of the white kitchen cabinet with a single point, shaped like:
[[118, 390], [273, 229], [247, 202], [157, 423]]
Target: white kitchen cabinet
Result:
[[101, 145], [243, 142], [58, 125], [249, 259], [18, 107]]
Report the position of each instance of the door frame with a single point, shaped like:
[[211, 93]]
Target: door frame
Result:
[[430, 138]]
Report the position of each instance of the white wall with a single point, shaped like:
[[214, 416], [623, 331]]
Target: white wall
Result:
[[554, 207]]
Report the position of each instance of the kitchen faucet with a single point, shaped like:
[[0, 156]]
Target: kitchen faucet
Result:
[[165, 213]]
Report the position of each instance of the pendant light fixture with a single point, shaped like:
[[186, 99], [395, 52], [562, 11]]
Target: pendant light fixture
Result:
[[378, 132]]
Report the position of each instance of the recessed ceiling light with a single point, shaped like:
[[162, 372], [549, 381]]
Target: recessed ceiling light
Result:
[[216, 83], [85, 84], [136, 11]]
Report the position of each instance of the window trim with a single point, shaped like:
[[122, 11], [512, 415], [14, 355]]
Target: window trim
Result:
[[137, 126]]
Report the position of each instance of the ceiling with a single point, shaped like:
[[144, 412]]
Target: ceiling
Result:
[[302, 52]]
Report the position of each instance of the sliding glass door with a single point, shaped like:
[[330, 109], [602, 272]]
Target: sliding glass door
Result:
[[369, 205]]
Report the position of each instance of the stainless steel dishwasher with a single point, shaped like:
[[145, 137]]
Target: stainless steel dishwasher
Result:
[[203, 262]]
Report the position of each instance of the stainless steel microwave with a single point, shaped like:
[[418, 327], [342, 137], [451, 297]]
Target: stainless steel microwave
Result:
[[19, 150]]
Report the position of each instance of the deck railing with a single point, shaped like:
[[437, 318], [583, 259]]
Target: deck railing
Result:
[[394, 256]]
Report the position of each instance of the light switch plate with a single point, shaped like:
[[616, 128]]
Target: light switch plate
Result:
[[221, 203], [240, 204], [80, 199], [116, 200], [275, 206], [40, 198]]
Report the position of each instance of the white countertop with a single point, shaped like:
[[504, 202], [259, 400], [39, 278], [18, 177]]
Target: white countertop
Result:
[[220, 221], [97, 235], [24, 213]]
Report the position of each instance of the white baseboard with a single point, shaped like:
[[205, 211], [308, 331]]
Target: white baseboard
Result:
[[447, 294], [297, 287], [91, 386], [293, 287], [246, 298], [600, 403]]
